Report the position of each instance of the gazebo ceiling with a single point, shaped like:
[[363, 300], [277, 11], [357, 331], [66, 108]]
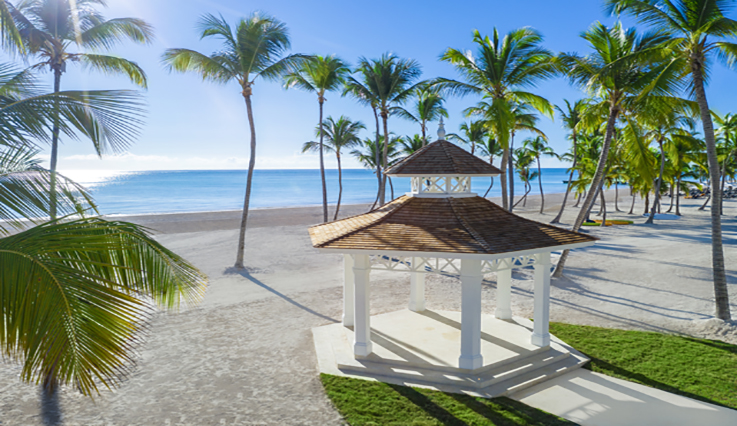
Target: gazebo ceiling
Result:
[[472, 225], [442, 158]]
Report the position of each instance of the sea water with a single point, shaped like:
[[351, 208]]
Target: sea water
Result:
[[213, 190]]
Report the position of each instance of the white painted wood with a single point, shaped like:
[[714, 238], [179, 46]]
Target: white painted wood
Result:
[[348, 290], [541, 334], [470, 315], [416, 290], [362, 322], [504, 294]]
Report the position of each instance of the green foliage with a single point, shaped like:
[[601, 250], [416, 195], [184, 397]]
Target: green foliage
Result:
[[696, 368], [365, 403], [339, 134]]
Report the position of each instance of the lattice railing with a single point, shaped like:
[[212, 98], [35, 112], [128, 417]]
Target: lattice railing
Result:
[[446, 266]]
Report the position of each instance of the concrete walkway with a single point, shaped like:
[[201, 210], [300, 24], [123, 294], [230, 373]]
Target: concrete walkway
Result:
[[593, 399]]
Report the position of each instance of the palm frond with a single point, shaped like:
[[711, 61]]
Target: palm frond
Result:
[[108, 34], [113, 65]]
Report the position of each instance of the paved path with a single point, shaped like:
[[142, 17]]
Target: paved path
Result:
[[593, 399]]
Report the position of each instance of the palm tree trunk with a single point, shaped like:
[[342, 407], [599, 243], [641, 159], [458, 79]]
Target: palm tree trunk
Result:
[[510, 165], [647, 202], [503, 179], [616, 196], [54, 145], [570, 182], [377, 154], [721, 187], [658, 184], [678, 196], [340, 184], [597, 181], [540, 181], [385, 119], [603, 203], [322, 167], [602, 211], [249, 181], [703, 206], [579, 197], [721, 294], [391, 186], [670, 208], [424, 138]]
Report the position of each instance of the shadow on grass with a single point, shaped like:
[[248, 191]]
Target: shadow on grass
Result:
[[604, 367], [492, 409], [429, 406]]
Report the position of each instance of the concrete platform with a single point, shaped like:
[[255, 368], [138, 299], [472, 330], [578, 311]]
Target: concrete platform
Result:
[[422, 349]]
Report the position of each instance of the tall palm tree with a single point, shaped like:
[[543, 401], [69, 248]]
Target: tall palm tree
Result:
[[427, 106], [390, 81], [698, 30], [48, 28], [473, 134], [499, 71], [320, 74], [623, 72], [411, 144], [341, 134], [571, 118], [727, 131], [255, 49], [76, 294], [538, 147]]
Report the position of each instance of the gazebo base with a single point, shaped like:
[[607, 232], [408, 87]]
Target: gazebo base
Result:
[[422, 349]]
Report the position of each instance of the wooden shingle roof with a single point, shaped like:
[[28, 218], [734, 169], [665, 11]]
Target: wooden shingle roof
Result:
[[442, 158], [472, 225]]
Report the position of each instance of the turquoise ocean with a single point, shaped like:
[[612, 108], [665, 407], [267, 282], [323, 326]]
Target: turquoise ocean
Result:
[[146, 192]]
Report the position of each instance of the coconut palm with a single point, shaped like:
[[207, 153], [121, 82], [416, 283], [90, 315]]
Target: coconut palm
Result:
[[255, 50], [727, 132], [524, 158], [339, 135], [320, 74], [472, 134], [499, 71], [49, 28], [571, 118], [427, 106], [624, 72], [699, 32], [538, 147], [389, 82]]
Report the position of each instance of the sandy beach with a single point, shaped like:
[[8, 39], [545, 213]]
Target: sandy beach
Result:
[[245, 355]]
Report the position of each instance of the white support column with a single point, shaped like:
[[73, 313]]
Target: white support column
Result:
[[362, 323], [416, 290], [541, 334], [504, 294], [470, 315], [348, 290]]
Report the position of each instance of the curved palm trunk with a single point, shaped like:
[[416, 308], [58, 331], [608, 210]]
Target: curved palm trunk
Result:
[[249, 180], [385, 119], [670, 208], [721, 295], [596, 183], [54, 145], [377, 158], [540, 181], [510, 164], [340, 184], [678, 196], [616, 196], [721, 188], [603, 204], [657, 185], [503, 178], [322, 167], [570, 182], [634, 197]]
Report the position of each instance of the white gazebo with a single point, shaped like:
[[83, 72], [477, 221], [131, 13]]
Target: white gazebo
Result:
[[442, 227]]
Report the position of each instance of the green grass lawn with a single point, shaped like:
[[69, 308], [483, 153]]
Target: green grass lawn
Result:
[[697, 368]]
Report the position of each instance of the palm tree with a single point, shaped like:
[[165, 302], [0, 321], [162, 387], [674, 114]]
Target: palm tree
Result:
[[48, 28], [524, 158], [571, 119], [697, 29], [320, 74], [389, 83], [499, 71], [538, 147], [427, 105], [339, 135], [624, 72], [76, 293], [255, 49], [728, 132], [473, 132], [411, 144], [366, 154]]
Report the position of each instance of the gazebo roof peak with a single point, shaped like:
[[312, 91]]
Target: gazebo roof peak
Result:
[[442, 158]]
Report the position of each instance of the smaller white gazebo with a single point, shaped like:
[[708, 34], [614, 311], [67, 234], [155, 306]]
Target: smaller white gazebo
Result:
[[442, 227]]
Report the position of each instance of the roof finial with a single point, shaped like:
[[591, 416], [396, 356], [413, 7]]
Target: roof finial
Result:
[[441, 130]]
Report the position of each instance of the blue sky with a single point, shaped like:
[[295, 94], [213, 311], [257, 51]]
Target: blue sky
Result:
[[197, 125]]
